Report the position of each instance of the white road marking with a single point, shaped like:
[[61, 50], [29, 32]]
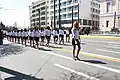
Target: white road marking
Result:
[[76, 72], [95, 65], [115, 47], [101, 42], [108, 51]]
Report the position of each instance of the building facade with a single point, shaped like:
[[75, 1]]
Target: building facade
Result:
[[38, 13], [89, 11], [109, 15]]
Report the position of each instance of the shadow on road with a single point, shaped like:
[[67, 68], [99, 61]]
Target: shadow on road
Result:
[[17, 75], [94, 61], [43, 49], [10, 49], [55, 47]]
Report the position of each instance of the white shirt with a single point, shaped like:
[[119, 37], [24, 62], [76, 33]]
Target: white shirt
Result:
[[16, 34], [19, 34], [47, 32], [55, 33], [75, 33], [24, 34], [61, 32], [67, 32], [36, 33], [32, 34], [13, 33], [42, 33]]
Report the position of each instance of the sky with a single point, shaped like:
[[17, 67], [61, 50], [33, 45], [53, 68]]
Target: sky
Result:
[[15, 11]]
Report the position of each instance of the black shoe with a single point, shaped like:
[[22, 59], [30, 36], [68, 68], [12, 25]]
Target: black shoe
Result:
[[78, 58], [74, 58]]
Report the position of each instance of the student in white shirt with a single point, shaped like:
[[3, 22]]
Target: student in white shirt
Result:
[[61, 36], [76, 38], [36, 37], [55, 36], [10, 35], [19, 34], [25, 36], [39, 34], [13, 36], [48, 35], [16, 36], [22, 35], [42, 34], [67, 36]]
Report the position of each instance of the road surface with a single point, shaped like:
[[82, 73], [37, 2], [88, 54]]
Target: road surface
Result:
[[100, 60]]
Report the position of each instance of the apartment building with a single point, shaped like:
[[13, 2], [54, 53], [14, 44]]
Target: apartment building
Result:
[[109, 14], [89, 11], [38, 13]]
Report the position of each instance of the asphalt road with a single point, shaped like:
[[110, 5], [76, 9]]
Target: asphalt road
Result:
[[100, 60]]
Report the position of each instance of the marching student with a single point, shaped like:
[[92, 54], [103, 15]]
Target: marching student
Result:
[[7, 35], [36, 37], [42, 34], [22, 35], [48, 35], [1, 37], [55, 36], [15, 36], [19, 34], [67, 36], [31, 35], [25, 36], [61, 36], [10, 36], [76, 39]]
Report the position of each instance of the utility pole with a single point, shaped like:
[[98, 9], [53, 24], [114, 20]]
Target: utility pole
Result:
[[39, 17], [59, 16], [78, 13], [54, 15], [114, 21], [72, 16]]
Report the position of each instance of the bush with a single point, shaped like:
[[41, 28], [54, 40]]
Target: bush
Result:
[[115, 30]]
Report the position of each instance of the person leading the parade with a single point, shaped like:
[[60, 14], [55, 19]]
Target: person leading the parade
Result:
[[76, 40]]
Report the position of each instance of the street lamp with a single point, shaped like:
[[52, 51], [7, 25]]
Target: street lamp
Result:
[[72, 16], [114, 21], [78, 13], [59, 16], [54, 15], [39, 17]]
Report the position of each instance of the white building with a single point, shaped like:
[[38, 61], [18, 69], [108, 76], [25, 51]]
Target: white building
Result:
[[108, 20], [88, 12], [34, 13]]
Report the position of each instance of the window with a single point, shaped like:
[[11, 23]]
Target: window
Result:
[[107, 23], [75, 1], [33, 11], [42, 18], [89, 22], [108, 7], [42, 13], [64, 16], [43, 8], [84, 22], [75, 14], [42, 23]]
